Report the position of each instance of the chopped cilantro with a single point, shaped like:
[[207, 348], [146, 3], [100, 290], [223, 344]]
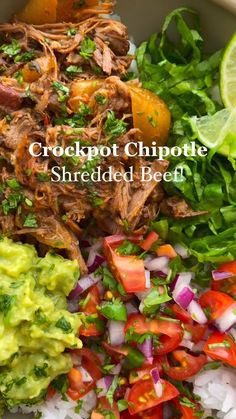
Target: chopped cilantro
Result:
[[72, 32], [95, 200], [25, 57], [122, 405], [87, 48], [107, 368], [156, 297], [114, 310], [6, 302], [63, 91], [152, 121], [19, 77], [30, 221], [108, 280], [72, 70], [100, 99], [28, 202], [13, 184], [134, 359], [79, 406], [11, 49], [112, 389], [128, 248], [61, 384], [64, 325], [43, 177], [40, 372], [186, 402], [11, 202], [114, 127]]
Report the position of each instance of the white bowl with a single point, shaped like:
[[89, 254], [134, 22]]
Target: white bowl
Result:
[[143, 17]]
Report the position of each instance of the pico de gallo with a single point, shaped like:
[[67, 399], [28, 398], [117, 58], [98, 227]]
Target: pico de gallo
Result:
[[147, 329]]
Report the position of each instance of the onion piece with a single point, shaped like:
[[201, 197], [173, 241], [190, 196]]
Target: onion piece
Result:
[[181, 251], [187, 344], [156, 264], [116, 332], [131, 308], [157, 382], [94, 261], [181, 280], [227, 319], [83, 284], [184, 296], [219, 275], [197, 313], [117, 369], [147, 349], [103, 385], [148, 279], [86, 377]]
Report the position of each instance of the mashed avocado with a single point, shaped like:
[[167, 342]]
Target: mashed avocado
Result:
[[35, 326]]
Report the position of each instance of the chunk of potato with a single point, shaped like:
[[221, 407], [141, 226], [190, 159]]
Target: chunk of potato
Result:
[[150, 115], [67, 9], [81, 91], [39, 12], [35, 69]]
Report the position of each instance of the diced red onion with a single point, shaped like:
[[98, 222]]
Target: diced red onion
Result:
[[197, 312], [157, 382], [181, 280], [187, 344], [143, 294], [187, 335], [131, 308], [82, 285], [116, 332], [156, 264], [103, 385], [160, 274], [147, 349], [184, 296], [73, 306], [148, 280], [218, 275], [86, 377], [94, 261], [181, 251], [227, 319], [117, 369]]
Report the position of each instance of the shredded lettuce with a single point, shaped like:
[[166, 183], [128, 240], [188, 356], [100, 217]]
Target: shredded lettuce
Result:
[[184, 77]]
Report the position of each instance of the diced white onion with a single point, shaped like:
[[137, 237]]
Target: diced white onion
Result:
[[197, 313], [116, 332], [228, 318]]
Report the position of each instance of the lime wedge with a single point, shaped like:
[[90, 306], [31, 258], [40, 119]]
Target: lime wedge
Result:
[[217, 131], [228, 74]]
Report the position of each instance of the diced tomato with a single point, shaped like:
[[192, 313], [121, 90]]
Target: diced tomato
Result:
[[189, 365], [117, 239], [138, 374], [197, 331], [90, 308], [215, 303], [128, 270], [154, 413], [104, 405], [227, 285], [116, 352], [92, 364], [166, 250], [142, 395], [180, 314], [149, 241], [51, 392], [222, 347], [171, 331], [187, 411]]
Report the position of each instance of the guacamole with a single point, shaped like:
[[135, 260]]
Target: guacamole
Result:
[[35, 325]]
